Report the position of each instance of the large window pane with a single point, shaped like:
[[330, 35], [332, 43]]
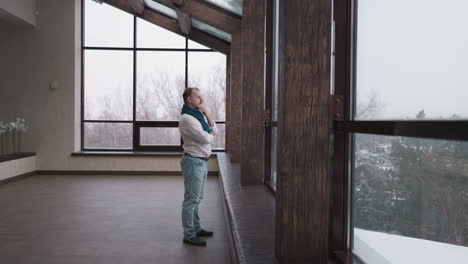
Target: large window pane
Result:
[[160, 84], [410, 200], [207, 71], [108, 135], [196, 45], [220, 139], [108, 85], [159, 136], [274, 155], [152, 36], [275, 81], [412, 56], [106, 26]]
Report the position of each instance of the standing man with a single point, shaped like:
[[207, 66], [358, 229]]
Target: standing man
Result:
[[198, 130]]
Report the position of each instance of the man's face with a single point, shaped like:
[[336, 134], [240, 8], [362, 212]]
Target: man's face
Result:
[[195, 99]]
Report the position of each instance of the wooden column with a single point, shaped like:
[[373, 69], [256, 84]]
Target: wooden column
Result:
[[302, 206], [236, 100], [227, 141], [253, 66]]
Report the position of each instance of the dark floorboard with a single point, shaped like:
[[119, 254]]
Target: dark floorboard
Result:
[[105, 219]]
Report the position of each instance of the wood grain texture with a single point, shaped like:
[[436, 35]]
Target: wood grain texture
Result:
[[178, 2], [236, 97], [137, 6], [207, 14], [304, 130], [185, 21], [253, 29], [172, 25]]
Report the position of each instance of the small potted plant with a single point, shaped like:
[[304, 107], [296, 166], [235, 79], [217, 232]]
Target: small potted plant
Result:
[[20, 128]]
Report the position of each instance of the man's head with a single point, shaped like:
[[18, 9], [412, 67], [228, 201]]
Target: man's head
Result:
[[192, 97]]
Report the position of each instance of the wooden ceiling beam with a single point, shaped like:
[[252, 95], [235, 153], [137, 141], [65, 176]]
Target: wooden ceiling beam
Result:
[[205, 13], [137, 6], [173, 26], [185, 22]]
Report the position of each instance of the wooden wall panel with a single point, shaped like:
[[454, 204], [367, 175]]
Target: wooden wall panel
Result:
[[253, 66], [236, 97], [304, 130]]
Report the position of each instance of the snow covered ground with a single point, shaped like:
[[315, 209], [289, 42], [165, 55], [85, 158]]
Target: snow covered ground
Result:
[[381, 248]]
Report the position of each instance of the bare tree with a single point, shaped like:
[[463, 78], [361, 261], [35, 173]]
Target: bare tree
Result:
[[159, 98], [369, 107]]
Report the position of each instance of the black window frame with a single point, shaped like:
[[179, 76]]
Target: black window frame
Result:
[[137, 125], [345, 126]]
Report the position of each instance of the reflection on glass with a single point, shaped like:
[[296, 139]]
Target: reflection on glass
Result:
[[207, 71], [407, 61], [196, 45], [274, 154], [160, 84], [220, 139], [234, 6], [274, 94], [106, 26], [108, 135], [161, 8], [108, 85], [410, 194], [211, 30], [153, 36], [159, 136]]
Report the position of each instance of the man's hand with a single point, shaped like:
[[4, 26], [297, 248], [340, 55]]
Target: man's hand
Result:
[[203, 109]]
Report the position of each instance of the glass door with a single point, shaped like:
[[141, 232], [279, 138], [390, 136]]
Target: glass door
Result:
[[271, 94]]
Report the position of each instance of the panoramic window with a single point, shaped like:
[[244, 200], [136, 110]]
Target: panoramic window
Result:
[[134, 74], [410, 194]]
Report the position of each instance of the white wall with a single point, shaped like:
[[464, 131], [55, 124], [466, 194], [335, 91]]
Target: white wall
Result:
[[31, 59], [20, 12], [12, 168]]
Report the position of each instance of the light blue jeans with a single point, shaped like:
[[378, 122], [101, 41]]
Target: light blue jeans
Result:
[[194, 171]]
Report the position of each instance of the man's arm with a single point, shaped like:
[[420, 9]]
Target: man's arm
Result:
[[214, 129], [193, 129]]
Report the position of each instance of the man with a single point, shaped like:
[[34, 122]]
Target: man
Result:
[[198, 130]]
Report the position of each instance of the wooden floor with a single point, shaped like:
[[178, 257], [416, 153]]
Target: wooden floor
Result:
[[105, 219]]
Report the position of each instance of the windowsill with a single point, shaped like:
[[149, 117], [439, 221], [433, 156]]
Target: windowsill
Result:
[[249, 213], [271, 187], [129, 154], [346, 258], [15, 156]]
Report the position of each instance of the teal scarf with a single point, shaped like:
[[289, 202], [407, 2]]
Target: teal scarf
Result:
[[197, 114]]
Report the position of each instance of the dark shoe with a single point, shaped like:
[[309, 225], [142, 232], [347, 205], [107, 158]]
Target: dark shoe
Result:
[[204, 233], [195, 241]]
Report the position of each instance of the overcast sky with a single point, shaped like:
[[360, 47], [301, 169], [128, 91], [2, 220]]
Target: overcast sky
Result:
[[413, 55]]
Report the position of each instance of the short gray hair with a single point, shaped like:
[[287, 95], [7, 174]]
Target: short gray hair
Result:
[[188, 92]]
